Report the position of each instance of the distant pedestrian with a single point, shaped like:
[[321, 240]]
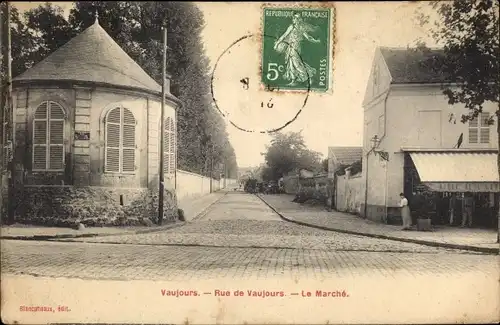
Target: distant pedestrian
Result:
[[405, 212]]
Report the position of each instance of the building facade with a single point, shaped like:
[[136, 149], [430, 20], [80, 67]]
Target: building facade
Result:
[[87, 131], [425, 144]]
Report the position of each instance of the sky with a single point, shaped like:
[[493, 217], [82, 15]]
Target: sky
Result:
[[329, 119]]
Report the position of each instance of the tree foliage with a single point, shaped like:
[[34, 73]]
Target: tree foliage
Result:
[[288, 152], [136, 27], [469, 31], [324, 165]]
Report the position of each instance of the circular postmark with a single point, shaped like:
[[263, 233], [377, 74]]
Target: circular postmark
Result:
[[248, 98]]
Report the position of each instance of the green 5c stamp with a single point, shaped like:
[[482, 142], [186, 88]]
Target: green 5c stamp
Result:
[[296, 48]]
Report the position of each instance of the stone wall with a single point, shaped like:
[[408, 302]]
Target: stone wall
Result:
[[66, 206]]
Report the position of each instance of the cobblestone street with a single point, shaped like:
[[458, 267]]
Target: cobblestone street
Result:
[[243, 220], [239, 236]]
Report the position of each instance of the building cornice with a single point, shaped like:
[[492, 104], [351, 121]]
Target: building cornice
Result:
[[75, 84]]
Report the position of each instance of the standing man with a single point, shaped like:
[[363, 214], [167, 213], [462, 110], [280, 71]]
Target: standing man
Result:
[[468, 210]]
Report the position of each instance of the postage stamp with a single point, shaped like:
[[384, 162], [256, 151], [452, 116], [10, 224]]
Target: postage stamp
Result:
[[296, 48]]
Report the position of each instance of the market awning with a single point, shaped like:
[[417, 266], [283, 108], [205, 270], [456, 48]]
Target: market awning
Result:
[[458, 171]]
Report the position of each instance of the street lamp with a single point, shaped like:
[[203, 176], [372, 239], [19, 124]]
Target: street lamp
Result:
[[375, 141]]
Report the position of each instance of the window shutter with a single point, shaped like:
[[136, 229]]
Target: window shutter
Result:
[[166, 146], [485, 117], [113, 147], [56, 132], [128, 145], [56, 145], [120, 141], [172, 146], [40, 131], [485, 135], [113, 140], [56, 111], [41, 111], [473, 135], [56, 157], [48, 137], [39, 157]]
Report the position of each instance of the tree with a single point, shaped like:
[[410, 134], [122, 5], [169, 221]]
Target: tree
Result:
[[136, 27], [288, 152], [324, 164], [469, 31]]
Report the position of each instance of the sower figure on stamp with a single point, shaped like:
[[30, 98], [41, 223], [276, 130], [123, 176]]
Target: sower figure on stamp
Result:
[[289, 43], [405, 212]]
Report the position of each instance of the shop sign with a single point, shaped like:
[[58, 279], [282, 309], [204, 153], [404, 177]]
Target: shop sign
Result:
[[465, 187]]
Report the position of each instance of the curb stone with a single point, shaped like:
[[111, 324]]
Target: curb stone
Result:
[[488, 250], [70, 236]]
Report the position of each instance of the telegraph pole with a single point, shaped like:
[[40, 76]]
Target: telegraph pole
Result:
[[2, 135], [162, 127], [10, 121]]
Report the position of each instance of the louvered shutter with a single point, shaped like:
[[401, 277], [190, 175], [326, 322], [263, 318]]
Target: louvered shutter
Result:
[[56, 135], [172, 146], [484, 136], [112, 154], [473, 131], [166, 146], [128, 144], [40, 135]]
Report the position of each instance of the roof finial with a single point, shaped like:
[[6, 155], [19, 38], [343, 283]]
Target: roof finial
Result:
[[96, 16]]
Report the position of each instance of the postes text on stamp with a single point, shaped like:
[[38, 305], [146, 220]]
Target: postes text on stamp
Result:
[[296, 48]]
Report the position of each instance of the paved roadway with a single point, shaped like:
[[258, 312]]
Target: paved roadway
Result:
[[239, 237]]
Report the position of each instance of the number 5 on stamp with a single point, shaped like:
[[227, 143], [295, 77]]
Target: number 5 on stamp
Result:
[[296, 48]]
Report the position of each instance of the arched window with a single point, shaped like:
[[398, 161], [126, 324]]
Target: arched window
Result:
[[120, 141], [48, 137], [169, 147]]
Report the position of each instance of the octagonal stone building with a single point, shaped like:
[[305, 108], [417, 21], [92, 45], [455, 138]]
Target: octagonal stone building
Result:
[[87, 122]]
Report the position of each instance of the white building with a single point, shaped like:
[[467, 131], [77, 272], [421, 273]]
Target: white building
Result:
[[427, 146]]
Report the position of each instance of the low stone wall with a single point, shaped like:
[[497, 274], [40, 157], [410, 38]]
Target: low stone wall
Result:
[[66, 206]]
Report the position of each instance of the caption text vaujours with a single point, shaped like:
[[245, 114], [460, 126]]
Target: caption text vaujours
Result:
[[256, 293]]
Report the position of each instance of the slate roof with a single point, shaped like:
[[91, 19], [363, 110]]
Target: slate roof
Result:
[[408, 65], [92, 56], [345, 155]]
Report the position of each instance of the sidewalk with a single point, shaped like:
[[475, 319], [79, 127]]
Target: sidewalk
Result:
[[450, 237], [192, 207]]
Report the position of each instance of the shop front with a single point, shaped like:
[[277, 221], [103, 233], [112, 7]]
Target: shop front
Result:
[[461, 187]]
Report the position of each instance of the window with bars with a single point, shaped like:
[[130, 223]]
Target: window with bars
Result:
[[48, 137], [169, 147], [479, 129], [120, 141]]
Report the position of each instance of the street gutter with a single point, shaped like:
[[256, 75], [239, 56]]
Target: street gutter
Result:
[[488, 250]]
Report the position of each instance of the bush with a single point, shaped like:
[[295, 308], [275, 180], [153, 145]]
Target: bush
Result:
[[180, 213]]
